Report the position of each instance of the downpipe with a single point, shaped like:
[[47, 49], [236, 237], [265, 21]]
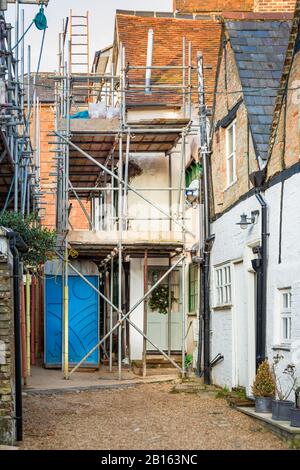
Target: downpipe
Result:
[[17, 245], [260, 266]]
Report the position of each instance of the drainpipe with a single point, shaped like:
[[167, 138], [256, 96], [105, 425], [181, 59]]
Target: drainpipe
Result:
[[261, 270], [16, 245], [204, 313], [149, 61]]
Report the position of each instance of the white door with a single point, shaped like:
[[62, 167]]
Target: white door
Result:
[[241, 326], [165, 330]]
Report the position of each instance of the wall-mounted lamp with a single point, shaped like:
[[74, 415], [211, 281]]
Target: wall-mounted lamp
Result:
[[245, 221], [192, 192]]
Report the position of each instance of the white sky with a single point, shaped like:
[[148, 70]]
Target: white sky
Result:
[[102, 14]]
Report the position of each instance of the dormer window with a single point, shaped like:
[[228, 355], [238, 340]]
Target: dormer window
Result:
[[231, 153]]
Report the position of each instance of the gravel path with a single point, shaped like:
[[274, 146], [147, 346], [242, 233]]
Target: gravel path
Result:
[[143, 417]]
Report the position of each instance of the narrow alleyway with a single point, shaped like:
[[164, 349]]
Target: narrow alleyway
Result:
[[142, 417]]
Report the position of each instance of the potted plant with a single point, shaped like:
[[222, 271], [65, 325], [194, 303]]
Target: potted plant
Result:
[[263, 388], [295, 412], [285, 384]]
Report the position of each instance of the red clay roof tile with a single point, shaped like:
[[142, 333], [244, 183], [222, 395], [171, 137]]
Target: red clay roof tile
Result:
[[205, 36]]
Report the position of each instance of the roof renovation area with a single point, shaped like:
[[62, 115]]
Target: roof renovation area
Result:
[[169, 32], [99, 138]]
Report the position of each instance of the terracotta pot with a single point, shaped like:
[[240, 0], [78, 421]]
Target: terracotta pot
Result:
[[281, 410], [263, 404]]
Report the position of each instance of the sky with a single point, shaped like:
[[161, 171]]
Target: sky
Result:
[[102, 13]]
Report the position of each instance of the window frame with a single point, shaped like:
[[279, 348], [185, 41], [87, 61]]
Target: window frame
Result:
[[231, 155], [285, 315], [193, 296], [223, 285]]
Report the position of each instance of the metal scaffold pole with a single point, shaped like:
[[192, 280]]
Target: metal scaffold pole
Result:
[[183, 267], [120, 253], [66, 228]]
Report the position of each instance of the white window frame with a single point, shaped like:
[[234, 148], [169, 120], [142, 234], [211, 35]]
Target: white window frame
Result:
[[232, 154], [285, 316], [223, 285]]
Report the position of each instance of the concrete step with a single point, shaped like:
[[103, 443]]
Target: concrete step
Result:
[[159, 361]]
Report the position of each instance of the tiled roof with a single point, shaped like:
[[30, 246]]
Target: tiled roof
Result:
[[205, 35], [260, 49]]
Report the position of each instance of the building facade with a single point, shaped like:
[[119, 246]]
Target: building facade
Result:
[[254, 152]]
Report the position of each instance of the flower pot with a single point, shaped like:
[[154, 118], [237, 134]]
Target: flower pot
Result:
[[263, 404], [281, 410], [295, 417]]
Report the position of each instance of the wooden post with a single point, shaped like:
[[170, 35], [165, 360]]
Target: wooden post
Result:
[[28, 326], [23, 333], [145, 314], [36, 316]]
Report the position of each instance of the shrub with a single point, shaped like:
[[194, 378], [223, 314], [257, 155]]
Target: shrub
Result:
[[264, 383], [40, 240]]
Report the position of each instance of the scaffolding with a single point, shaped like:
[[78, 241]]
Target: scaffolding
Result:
[[84, 174], [20, 188]]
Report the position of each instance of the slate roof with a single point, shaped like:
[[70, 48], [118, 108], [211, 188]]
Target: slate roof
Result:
[[260, 50], [45, 87]]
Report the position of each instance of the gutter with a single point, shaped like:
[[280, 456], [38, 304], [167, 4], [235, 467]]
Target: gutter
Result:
[[17, 245]]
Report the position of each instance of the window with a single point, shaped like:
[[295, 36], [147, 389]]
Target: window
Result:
[[223, 285], [193, 287], [286, 316], [230, 153]]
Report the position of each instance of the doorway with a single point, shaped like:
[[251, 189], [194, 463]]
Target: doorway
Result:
[[164, 329]]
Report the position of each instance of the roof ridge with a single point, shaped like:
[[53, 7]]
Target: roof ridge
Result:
[[166, 15]]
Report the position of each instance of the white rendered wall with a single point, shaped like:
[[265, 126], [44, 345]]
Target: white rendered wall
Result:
[[233, 244]]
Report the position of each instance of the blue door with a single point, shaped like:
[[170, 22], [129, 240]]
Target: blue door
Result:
[[83, 320]]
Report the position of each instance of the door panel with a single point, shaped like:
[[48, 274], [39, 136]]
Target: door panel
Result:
[[157, 327], [83, 320], [241, 326]]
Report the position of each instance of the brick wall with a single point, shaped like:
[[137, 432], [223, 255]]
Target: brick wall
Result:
[[7, 422], [286, 149], [234, 5], [213, 5], [224, 196], [274, 5], [48, 162]]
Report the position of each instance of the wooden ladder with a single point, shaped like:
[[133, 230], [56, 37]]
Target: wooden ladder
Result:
[[80, 52]]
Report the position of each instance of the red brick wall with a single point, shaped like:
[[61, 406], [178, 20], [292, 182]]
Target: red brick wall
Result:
[[213, 5], [234, 5], [47, 163], [48, 213], [274, 5]]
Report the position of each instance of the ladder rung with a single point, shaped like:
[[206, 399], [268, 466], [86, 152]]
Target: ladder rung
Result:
[[80, 63], [79, 44], [76, 16], [81, 35], [79, 53], [79, 25]]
